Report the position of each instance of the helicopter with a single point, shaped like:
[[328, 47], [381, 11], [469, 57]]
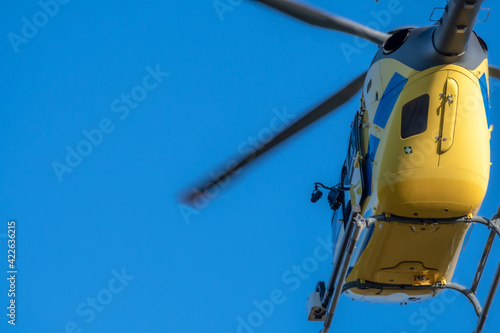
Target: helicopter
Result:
[[417, 164]]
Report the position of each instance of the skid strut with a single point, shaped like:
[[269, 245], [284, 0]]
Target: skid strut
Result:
[[356, 225]]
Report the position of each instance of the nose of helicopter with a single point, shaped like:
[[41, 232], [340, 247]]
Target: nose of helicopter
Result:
[[436, 158], [439, 192]]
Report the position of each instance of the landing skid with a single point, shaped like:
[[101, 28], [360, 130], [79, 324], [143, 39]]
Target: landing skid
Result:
[[327, 300]]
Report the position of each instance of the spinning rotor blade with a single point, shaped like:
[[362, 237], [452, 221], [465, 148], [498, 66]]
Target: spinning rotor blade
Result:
[[329, 21], [315, 114], [494, 72]]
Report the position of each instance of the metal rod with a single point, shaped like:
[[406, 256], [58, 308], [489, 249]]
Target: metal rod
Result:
[[333, 278], [352, 246], [467, 293], [494, 225], [482, 262], [489, 300]]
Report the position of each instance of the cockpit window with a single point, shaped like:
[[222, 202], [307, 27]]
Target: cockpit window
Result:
[[414, 116]]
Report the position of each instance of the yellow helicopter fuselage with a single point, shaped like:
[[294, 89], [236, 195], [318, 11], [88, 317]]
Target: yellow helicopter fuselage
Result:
[[425, 141]]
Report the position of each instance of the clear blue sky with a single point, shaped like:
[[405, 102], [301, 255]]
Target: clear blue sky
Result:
[[103, 245]]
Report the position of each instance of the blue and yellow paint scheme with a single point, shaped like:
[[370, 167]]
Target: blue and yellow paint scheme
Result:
[[424, 154]]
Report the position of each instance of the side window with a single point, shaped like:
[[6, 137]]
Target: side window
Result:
[[414, 117]]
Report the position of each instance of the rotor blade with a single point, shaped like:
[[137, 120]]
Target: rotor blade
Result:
[[315, 17], [315, 114], [494, 72]]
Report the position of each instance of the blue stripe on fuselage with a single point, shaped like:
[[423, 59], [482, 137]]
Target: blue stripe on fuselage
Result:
[[389, 99], [486, 98], [372, 150]]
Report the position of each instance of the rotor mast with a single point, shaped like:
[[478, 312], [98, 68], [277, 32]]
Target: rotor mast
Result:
[[455, 26]]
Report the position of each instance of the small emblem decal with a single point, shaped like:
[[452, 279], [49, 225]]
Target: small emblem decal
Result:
[[408, 150]]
